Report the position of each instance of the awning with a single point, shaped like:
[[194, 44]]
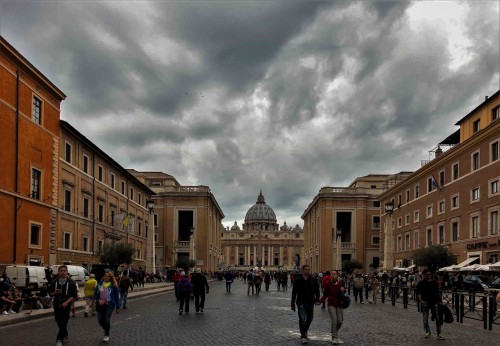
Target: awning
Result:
[[447, 269], [495, 266], [472, 267], [467, 262]]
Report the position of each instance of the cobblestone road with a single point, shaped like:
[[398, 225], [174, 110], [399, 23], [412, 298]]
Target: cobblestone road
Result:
[[238, 319]]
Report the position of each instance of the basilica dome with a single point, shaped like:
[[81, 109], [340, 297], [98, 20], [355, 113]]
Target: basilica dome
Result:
[[260, 211]]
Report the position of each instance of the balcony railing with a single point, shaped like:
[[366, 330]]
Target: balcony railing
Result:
[[348, 246], [182, 244]]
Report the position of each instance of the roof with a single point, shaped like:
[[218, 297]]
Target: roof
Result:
[[488, 100], [67, 126], [452, 139]]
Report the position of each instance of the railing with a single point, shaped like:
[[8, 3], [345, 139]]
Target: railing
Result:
[[181, 244], [199, 188], [346, 245]]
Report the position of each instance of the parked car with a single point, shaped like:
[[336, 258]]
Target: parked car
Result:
[[495, 284], [22, 275], [477, 282]]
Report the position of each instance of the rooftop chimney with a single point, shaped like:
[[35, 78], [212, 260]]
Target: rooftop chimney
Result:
[[438, 152], [486, 97]]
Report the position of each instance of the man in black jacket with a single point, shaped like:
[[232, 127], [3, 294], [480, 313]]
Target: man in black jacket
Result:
[[64, 291], [200, 287], [305, 294]]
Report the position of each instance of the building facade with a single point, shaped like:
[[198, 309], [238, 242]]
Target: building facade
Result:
[[187, 222], [262, 243], [100, 202], [354, 213], [452, 200], [29, 147]]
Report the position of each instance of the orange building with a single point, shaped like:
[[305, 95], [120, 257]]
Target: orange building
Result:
[[29, 148]]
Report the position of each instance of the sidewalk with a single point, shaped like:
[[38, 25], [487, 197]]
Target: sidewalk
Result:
[[27, 315]]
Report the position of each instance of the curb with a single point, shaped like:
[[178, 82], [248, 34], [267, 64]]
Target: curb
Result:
[[79, 305]]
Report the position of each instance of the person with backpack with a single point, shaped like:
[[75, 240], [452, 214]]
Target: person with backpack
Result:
[[185, 293], [332, 291], [250, 281], [200, 288], [64, 291], [124, 284]]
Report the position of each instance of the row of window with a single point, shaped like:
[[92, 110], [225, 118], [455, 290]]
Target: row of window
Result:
[[455, 203], [35, 240], [100, 174], [495, 115], [454, 235], [439, 183]]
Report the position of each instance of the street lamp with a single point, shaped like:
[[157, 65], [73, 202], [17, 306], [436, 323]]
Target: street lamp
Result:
[[191, 242], [338, 234], [150, 260], [389, 237]]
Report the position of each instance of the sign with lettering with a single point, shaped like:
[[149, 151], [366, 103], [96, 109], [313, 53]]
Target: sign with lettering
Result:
[[482, 245]]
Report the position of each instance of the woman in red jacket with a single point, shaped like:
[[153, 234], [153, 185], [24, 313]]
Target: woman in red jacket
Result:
[[332, 292]]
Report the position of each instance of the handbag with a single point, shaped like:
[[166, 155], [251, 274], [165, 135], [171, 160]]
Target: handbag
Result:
[[345, 301]]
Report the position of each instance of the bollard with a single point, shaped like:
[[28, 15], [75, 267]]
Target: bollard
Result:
[[462, 303], [456, 304], [485, 312], [393, 296], [492, 309]]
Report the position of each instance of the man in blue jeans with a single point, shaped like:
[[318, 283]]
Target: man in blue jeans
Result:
[[305, 294], [429, 298]]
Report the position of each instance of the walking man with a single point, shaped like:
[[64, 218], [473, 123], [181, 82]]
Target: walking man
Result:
[[229, 280], [200, 287], [250, 278], [64, 292], [88, 291], [305, 294], [359, 283], [429, 298], [124, 284]]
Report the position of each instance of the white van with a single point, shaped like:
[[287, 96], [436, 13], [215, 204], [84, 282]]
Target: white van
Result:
[[23, 275], [78, 274]]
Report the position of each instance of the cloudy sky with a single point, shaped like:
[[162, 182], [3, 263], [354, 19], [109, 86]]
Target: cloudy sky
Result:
[[283, 96]]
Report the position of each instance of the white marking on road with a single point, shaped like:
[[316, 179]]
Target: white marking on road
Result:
[[127, 319]]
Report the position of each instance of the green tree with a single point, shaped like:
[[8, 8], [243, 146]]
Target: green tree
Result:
[[350, 266], [433, 257], [116, 253], [185, 263]]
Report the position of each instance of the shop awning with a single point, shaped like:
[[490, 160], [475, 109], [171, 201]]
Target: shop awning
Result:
[[495, 266], [466, 263]]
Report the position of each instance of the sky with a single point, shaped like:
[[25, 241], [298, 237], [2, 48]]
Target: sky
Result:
[[280, 96]]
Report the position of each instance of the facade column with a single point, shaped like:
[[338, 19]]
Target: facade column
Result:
[[247, 248]]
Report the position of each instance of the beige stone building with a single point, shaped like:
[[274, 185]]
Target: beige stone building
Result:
[[352, 211], [262, 243], [187, 222], [453, 199], [100, 202]]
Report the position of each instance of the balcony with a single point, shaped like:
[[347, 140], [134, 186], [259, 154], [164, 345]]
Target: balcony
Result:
[[347, 246], [181, 244]]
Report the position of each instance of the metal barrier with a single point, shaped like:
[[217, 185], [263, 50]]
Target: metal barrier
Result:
[[479, 306]]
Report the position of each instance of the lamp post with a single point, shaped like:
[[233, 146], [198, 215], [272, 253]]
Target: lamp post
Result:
[[192, 254], [150, 258], [338, 264], [389, 237]]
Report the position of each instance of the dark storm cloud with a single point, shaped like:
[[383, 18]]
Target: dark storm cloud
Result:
[[283, 96]]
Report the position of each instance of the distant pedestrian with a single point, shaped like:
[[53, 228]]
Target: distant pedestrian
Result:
[[358, 283], [267, 280], [324, 281], [89, 291], [375, 285], [124, 285], [251, 285], [305, 294], [258, 282], [176, 278], [185, 293], [429, 298], [332, 290], [229, 280], [64, 291], [200, 288], [108, 298]]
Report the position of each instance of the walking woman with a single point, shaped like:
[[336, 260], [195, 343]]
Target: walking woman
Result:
[[332, 292], [107, 298]]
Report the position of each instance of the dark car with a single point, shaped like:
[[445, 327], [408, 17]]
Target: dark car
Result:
[[495, 284], [477, 282]]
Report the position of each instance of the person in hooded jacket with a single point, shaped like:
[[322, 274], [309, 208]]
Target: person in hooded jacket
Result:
[[64, 291], [200, 287], [107, 297]]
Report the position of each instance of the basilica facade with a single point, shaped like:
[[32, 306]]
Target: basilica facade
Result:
[[261, 242]]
